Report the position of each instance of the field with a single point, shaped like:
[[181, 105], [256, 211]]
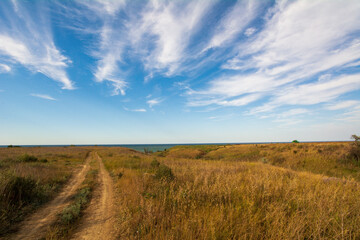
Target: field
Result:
[[255, 191]]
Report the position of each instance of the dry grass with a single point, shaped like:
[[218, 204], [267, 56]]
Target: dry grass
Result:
[[235, 192], [68, 220], [25, 185], [257, 191]]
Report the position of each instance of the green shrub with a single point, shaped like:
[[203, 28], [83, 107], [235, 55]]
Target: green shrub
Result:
[[27, 158], [163, 172], [155, 163], [71, 213], [354, 152], [18, 191]]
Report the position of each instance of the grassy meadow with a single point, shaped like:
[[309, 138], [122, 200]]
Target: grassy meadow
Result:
[[252, 191], [257, 191], [29, 177]]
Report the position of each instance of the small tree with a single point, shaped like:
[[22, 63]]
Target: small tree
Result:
[[354, 152], [356, 138], [295, 141]]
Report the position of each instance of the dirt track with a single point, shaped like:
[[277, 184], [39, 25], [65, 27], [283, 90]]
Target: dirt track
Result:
[[35, 226], [99, 218]]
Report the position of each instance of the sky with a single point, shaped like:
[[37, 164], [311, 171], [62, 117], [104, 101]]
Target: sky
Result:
[[180, 71]]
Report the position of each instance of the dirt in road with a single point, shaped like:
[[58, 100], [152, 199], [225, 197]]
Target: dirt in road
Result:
[[99, 218], [35, 226]]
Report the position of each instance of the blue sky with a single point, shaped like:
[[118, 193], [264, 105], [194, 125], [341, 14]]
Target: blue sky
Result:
[[122, 72]]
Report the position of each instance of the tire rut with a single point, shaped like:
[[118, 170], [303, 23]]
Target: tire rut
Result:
[[35, 226], [99, 218]]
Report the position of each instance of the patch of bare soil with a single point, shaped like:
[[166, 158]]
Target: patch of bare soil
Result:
[[99, 218]]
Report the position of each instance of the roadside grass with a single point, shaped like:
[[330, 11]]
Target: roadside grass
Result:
[[69, 218], [264, 191], [29, 177]]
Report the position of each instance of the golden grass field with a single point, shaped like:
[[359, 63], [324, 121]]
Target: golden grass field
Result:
[[254, 191]]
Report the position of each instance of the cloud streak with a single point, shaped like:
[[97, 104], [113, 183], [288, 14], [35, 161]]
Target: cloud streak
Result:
[[26, 39], [43, 96], [299, 40], [4, 68]]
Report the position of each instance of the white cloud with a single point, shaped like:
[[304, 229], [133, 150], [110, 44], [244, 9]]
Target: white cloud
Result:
[[312, 93], [153, 102], [139, 110], [240, 101], [292, 112], [26, 39], [234, 22], [249, 32], [135, 110], [4, 68], [104, 7], [343, 105], [304, 38], [110, 38], [158, 34], [43, 96], [351, 116], [110, 54], [300, 39], [171, 24]]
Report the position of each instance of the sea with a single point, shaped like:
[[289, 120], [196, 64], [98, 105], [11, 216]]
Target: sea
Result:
[[137, 147], [150, 147]]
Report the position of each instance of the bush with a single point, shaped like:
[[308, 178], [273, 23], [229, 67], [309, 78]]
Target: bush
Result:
[[71, 213], [27, 158], [354, 152], [18, 191], [147, 151], [163, 172], [155, 163], [295, 141]]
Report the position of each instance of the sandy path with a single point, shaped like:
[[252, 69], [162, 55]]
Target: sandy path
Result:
[[99, 218], [35, 226]]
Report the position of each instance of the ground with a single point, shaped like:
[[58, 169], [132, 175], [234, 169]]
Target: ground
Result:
[[254, 191]]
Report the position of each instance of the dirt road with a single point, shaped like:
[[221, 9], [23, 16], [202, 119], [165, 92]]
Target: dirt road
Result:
[[35, 226], [99, 218]]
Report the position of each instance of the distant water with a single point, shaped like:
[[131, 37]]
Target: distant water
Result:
[[137, 147], [150, 147]]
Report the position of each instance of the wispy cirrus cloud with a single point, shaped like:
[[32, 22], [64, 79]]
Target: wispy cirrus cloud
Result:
[[4, 68], [43, 96], [157, 35], [153, 102], [26, 38], [110, 42], [299, 40], [234, 22], [135, 110], [171, 24], [343, 105], [312, 93]]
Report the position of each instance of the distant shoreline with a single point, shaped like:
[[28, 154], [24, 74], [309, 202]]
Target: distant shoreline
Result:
[[157, 144], [157, 147]]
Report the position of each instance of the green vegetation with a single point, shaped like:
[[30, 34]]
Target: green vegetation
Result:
[[68, 219], [29, 177], [163, 172], [27, 158]]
